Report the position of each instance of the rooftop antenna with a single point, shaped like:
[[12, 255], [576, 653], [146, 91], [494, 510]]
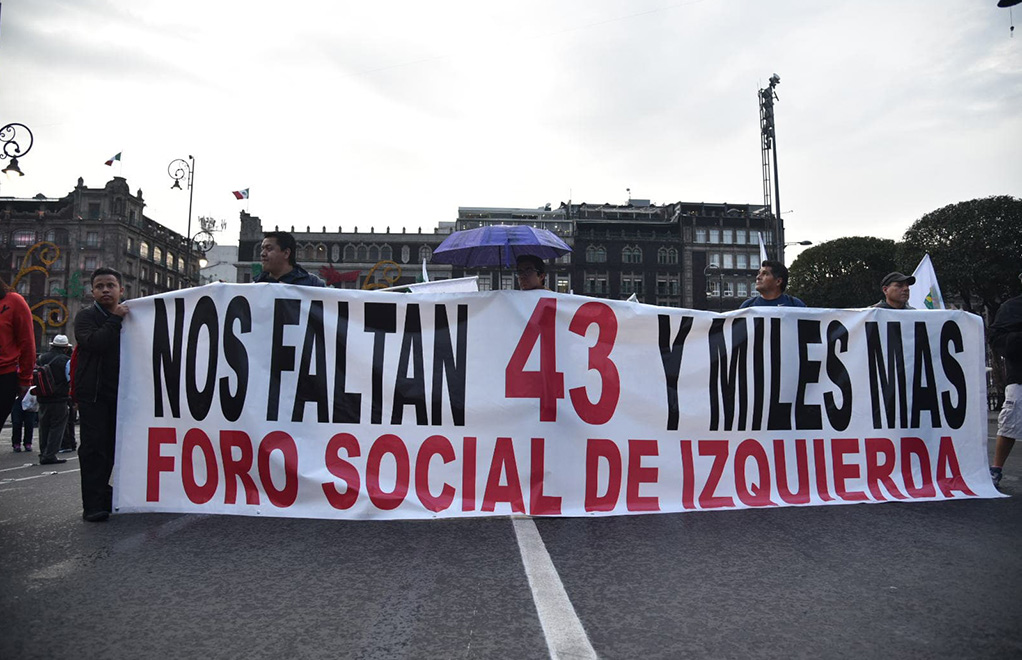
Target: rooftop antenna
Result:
[[629, 191]]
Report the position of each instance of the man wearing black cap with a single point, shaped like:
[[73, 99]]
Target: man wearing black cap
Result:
[[895, 287]]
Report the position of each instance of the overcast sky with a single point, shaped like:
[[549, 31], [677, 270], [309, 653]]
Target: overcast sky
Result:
[[381, 114]]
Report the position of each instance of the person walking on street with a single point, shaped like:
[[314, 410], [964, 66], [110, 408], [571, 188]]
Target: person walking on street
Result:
[[17, 349], [53, 406], [896, 289], [771, 281], [24, 419], [97, 368], [1006, 340]]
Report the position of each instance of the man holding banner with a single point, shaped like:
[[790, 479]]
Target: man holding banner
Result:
[[277, 255], [771, 281], [896, 291]]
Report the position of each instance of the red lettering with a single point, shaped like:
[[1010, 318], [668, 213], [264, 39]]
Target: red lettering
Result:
[[688, 476], [877, 472], [238, 468], [196, 438], [285, 444], [387, 443], [504, 461], [916, 447], [599, 360], [719, 450], [468, 474], [758, 495], [540, 504], [342, 469], [949, 475], [820, 463], [435, 445], [638, 475], [800, 496], [156, 462], [597, 448], [844, 471], [547, 384]]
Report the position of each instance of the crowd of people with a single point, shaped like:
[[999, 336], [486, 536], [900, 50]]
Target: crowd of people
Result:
[[85, 382]]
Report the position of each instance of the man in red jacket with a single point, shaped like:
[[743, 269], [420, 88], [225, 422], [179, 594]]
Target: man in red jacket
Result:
[[17, 349]]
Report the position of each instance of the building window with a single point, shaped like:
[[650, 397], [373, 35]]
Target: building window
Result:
[[131, 245], [320, 252], [386, 253], [631, 283], [667, 256], [92, 239], [596, 254], [700, 235], [158, 255], [24, 238], [743, 261], [349, 252], [631, 255], [180, 263], [729, 260], [713, 258], [740, 236], [485, 282], [425, 253], [726, 236], [362, 254], [58, 265], [507, 282], [143, 250], [715, 236], [51, 235], [23, 287], [144, 274], [743, 289], [93, 211], [713, 288], [563, 285], [54, 287], [170, 259], [729, 289], [374, 253], [90, 264], [595, 285]]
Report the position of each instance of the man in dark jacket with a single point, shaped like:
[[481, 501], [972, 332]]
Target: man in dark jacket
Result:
[[53, 408], [277, 255], [1006, 340], [97, 366]]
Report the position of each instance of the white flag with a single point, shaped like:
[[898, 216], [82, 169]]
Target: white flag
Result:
[[762, 248], [425, 275], [925, 293]]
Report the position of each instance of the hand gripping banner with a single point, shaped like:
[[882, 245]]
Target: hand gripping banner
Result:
[[279, 400]]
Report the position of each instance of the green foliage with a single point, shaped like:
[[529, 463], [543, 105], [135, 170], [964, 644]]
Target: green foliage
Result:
[[976, 249], [844, 272]]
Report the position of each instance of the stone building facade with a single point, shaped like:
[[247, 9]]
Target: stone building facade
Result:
[[50, 246]]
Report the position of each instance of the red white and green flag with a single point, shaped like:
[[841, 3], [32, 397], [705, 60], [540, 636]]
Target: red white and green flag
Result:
[[240, 194], [110, 162]]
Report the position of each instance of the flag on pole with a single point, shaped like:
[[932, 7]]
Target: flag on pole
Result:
[[114, 158], [762, 248], [240, 194], [925, 293], [425, 275]]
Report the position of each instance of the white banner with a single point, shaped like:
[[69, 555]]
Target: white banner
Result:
[[293, 401]]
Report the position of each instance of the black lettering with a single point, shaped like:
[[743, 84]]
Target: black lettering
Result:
[[724, 376], [166, 358], [380, 319], [839, 418], [312, 386], [807, 416], [410, 390], [889, 383], [205, 315], [924, 396], [954, 414], [282, 358], [347, 405], [779, 417], [444, 363], [238, 310], [758, 371], [670, 355]]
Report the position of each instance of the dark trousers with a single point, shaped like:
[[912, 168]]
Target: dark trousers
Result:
[[52, 418], [97, 422], [8, 392], [22, 424], [69, 443]]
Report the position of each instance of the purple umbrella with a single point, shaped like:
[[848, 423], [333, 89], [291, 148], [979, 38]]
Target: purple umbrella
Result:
[[498, 245]]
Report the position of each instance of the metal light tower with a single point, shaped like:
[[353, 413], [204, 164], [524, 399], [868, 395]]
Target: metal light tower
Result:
[[181, 169], [768, 140]]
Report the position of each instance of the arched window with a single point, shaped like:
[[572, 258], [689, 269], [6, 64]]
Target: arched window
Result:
[[349, 252], [143, 250], [425, 253], [320, 252], [374, 253], [363, 254], [631, 255], [158, 255], [386, 253], [170, 259], [601, 254]]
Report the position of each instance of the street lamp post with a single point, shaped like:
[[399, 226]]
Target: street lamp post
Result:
[[17, 141], [181, 169], [712, 270]]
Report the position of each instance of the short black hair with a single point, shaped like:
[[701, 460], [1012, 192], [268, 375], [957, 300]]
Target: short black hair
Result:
[[286, 242], [532, 260], [103, 270], [779, 270]]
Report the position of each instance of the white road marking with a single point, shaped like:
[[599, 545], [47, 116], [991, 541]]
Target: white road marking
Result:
[[565, 636]]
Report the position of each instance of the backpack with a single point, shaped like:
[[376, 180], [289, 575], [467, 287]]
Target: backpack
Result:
[[49, 381]]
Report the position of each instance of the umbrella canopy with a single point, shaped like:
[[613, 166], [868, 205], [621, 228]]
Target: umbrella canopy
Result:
[[498, 245]]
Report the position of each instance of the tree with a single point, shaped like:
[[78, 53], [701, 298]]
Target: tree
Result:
[[976, 249], [844, 272]]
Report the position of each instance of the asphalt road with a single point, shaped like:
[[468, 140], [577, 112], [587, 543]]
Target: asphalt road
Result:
[[897, 580]]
